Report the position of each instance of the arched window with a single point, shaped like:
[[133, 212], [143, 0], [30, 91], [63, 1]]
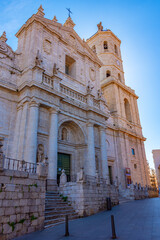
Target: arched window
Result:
[[119, 76], [64, 134], [127, 110], [115, 49], [105, 45], [108, 73], [94, 48]]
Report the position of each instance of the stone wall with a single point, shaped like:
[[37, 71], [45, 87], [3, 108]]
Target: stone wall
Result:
[[89, 197], [22, 203], [136, 192]]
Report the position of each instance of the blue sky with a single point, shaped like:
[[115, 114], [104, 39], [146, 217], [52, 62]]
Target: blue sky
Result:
[[136, 23]]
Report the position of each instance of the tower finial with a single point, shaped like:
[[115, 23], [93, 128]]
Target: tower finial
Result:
[[40, 11], [3, 37], [100, 27], [54, 19]]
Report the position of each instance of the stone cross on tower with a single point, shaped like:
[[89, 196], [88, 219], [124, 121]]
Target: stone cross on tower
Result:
[[69, 12]]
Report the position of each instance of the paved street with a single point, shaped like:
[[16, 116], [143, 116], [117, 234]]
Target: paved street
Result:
[[136, 220]]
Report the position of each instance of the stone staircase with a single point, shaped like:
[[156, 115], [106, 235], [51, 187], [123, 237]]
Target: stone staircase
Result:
[[56, 210]]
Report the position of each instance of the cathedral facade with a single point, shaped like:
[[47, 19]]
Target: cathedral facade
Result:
[[63, 101]]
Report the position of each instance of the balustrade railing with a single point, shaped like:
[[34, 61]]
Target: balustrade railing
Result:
[[73, 94], [19, 165], [47, 80]]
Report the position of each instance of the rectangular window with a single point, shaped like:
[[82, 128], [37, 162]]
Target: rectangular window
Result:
[[110, 174], [70, 66], [133, 151]]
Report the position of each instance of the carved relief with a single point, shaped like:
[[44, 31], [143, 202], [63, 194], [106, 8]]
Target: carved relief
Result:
[[47, 46]]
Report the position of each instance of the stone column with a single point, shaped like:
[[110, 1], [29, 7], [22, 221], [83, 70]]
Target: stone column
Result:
[[31, 142], [17, 132], [53, 145], [90, 166], [104, 159], [22, 132]]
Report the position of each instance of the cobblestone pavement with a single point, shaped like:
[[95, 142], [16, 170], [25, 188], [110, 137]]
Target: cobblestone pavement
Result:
[[135, 220]]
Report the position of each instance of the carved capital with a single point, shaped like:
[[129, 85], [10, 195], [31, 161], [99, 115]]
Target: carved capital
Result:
[[33, 103], [54, 111]]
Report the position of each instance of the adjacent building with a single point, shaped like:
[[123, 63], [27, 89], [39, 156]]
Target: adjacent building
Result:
[[156, 158]]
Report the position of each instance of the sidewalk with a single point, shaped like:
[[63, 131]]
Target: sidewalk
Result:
[[135, 220]]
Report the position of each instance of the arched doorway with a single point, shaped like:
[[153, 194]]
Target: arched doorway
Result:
[[71, 150]]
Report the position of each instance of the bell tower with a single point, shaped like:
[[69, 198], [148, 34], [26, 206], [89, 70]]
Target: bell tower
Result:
[[124, 123]]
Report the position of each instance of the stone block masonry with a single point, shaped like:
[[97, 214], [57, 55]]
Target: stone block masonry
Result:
[[22, 203]]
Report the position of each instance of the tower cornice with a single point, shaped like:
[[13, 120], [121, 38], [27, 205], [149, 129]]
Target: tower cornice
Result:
[[129, 90]]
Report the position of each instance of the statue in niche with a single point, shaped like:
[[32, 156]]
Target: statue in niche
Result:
[[38, 60], [40, 153], [64, 134], [89, 88], [55, 69]]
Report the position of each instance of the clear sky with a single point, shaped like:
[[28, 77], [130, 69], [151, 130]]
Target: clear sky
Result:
[[135, 22]]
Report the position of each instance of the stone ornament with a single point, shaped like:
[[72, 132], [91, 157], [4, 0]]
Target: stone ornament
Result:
[[89, 88], [3, 37], [100, 27], [63, 178], [40, 11], [5, 49], [38, 60], [40, 153], [55, 69], [54, 19], [99, 93]]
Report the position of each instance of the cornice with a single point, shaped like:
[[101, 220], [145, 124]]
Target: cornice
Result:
[[121, 85], [108, 32], [119, 129]]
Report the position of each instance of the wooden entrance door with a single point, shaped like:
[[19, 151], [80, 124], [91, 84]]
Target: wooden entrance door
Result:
[[63, 163]]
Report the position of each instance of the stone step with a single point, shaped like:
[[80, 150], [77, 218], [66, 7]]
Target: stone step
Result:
[[56, 220], [58, 209], [61, 215], [52, 192], [54, 199], [55, 205]]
